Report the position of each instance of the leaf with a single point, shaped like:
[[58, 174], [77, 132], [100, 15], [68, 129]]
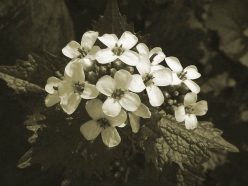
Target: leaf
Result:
[[32, 26], [187, 148], [114, 23], [229, 19], [218, 83], [20, 86]]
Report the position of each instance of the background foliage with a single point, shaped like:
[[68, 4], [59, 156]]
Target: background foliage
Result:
[[211, 35]]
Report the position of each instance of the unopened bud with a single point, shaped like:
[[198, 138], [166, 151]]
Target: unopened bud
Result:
[[118, 64], [103, 70], [130, 69], [112, 72], [92, 77]]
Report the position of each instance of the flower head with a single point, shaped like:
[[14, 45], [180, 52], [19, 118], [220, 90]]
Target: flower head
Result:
[[190, 110], [117, 93], [102, 123], [183, 75], [118, 48], [73, 88], [75, 51]]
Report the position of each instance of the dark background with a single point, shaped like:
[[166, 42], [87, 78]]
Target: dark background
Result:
[[213, 35]]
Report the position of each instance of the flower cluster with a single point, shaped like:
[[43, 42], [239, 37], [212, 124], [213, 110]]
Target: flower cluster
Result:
[[120, 83]]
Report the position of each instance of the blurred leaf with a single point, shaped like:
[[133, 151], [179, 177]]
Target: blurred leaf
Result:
[[114, 23], [32, 26], [229, 18], [217, 84]]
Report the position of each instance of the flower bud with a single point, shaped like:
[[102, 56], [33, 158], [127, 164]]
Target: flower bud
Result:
[[103, 70], [112, 72], [183, 89], [118, 64], [92, 77], [169, 102], [129, 69], [180, 99], [88, 65], [174, 94], [166, 94]]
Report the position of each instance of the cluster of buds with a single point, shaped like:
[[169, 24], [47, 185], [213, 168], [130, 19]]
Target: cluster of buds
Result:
[[114, 78]]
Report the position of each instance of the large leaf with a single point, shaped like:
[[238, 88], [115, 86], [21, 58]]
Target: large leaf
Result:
[[187, 148]]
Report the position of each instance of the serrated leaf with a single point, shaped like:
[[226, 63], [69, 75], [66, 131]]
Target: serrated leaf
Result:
[[20, 86], [24, 161], [112, 22]]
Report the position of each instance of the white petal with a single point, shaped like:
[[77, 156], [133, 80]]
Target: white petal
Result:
[[122, 125], [200, 108], [91, 129], [175, 79], [51, 82], [68, 72], [157, 67], [144, 66], [159, 57], [162, 77], [123, 79], [117, 120], [88, 40], [130, 58], [192, 86], [127, 40], [142, 111], [130, 101], [180, 113], [137, 84], [106, 85], [71, 49], [90, 91], [92, 52], [110, 136], [134, 122], [156, 97], [52, 99], [105, 56], [70, 103], [192, 72], [174, 64], [111, 107], [190, 98], [142, 48], [65, 88], [77, 72], [94, 109], [190, 121], [109, 40]]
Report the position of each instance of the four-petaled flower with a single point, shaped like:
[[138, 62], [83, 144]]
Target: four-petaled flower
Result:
[[52, 88], [73, 88], [118, 95], [190, 110], [102, 123], [150, 78], [183, 75], [75, 51], [118, 49]]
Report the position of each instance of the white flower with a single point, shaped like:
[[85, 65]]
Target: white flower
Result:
[[150, 80], [118, 95], [156, 53], [73, 88], [118, 49], [183, 75], [190, 110], [134, 117], [52, 88], [75, 51], [102, 123]]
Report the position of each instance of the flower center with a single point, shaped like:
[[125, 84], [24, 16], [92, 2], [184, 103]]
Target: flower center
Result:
[[83, 53], [117, 94], [182, 75], [148, 79], [78, 87], [104, 122], [118, 50], [189, 109]]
